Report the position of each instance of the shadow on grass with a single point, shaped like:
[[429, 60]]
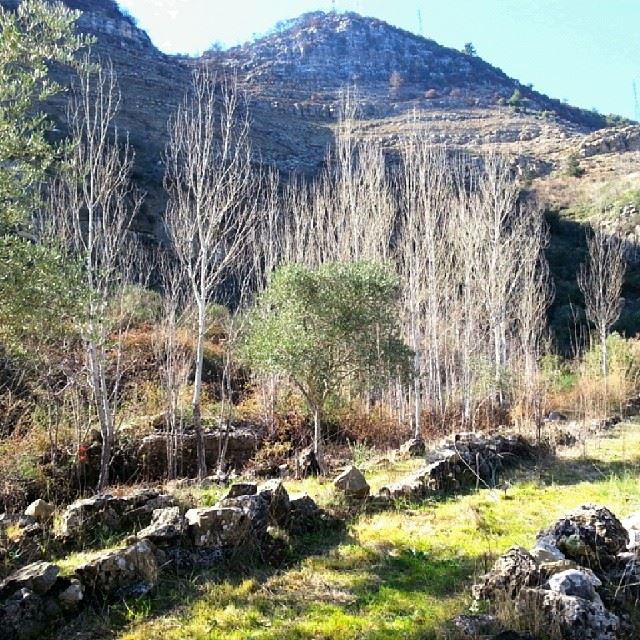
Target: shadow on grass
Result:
[[589, 469], [178, 589]]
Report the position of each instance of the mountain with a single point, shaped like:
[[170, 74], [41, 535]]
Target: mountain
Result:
[[295, 76]]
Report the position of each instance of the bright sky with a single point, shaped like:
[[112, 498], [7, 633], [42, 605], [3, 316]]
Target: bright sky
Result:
[[584, 51]]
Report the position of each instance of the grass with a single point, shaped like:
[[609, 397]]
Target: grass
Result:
[[401, 573]]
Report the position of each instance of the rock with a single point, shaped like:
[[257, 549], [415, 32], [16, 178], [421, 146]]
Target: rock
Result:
[[167, 525], [71, 597], [23, 616], [40, 510], [255, 509], [133, 570], [217, 527], [352, 484], [115, 513], [570, 617], [513, 571], [242, 489], [545, 550], [277, 499], [413, 447], [555, 416], [590, 535], [475, 625], [632, 526], [307, 463], [38, 577], [305, 516], [575, 583]]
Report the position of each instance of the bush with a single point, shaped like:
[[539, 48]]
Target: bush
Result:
[[573, 168]]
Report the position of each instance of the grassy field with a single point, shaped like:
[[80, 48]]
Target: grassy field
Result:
[[402, 573]]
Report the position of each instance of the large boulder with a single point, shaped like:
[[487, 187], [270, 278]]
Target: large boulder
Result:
[[574, 582], [255, 510], [304, 516], [131, 571], [590, 535], [352, 484], [35, 599]]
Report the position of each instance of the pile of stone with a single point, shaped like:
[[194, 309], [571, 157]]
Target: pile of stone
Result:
[[574, 581], [116, 514], [467, 459], [37, 597]]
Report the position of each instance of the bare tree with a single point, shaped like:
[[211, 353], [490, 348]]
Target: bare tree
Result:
[[210, 212], [173, 358], [92, 207], [600, 279]]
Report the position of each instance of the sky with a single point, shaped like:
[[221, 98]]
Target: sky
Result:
[[584, 51]]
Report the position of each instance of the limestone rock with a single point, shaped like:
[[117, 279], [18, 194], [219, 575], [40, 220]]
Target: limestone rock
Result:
[[573, 617], [40, 510], [71, 597], [352, 483], [305, 516], [242, 489], [545, 550], [116, 513], [590, 535], [38, 577], [167, 525], [217, 526], [277, 499], [575, 583], [632, 526], [133, 570], [513, 571]]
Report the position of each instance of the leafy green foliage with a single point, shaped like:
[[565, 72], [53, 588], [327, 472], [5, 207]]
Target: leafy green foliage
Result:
[[573, 169], [36, 285], [39, 291], [516, 100], [32, 38], [328, 327]]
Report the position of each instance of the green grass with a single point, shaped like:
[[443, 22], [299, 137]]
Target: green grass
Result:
[[401, 573]]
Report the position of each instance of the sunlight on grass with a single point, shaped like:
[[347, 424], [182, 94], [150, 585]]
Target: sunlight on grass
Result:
[[404, 572]]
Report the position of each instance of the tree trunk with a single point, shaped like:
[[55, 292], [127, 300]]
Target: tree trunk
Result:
[[317, 439], [197, 394]]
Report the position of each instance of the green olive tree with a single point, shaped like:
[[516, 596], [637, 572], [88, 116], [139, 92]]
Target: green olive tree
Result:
[[34, 283], [327, 328]]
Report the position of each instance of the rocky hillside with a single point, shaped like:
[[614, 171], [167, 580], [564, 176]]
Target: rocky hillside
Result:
[[295, 76], [308, 61]]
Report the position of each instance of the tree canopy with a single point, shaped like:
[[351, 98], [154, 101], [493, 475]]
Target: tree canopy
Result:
[[328, 327]]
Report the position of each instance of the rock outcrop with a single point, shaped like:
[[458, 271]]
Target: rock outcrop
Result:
[[575, 583], [80, 520]]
